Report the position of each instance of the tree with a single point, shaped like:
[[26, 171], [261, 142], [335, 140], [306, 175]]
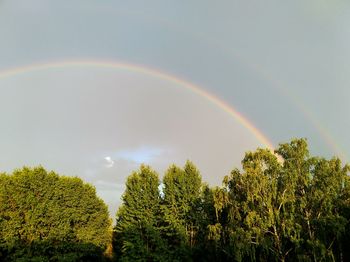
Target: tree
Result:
[[287, 207], [181, 208], [257, 221], [137, 234], [44, 215], [320, 188], [215, 203]]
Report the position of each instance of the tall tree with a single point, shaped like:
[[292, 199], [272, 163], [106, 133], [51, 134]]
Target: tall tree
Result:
[[138, 219], [181, 208], [287, 207], [320, 187], [258, 226]]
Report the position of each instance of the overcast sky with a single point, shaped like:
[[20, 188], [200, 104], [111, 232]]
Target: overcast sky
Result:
[[284, 65]]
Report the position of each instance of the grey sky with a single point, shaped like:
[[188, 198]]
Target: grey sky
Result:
[[272, 60]]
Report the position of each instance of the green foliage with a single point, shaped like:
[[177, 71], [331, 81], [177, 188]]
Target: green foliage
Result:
[[136, 234], [43, 215], [287, 207], [281, 206], [181, 209]]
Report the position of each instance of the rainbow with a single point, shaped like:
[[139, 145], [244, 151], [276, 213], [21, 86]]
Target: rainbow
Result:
[[287, 92], [148, 71], [296, 100], [303, 108]]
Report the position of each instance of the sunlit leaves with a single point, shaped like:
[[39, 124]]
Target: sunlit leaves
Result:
[[42, 211]]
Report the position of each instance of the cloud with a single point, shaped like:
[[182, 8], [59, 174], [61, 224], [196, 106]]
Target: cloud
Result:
[[109, 162], [144, 154]]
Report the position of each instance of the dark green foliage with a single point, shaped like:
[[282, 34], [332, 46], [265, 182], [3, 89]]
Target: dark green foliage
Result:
[[43, 215], [282, 206], [137, 234], [287, 208], [181, 210], [214, 218]]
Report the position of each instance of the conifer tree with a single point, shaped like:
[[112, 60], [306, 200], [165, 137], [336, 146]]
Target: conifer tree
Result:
[[182, 196], [137, 234]]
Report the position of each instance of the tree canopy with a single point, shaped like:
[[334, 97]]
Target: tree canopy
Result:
[[279, 206], [44, 215], [285, 205]]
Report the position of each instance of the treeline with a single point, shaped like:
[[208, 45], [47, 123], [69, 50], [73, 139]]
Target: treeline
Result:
[[280, 206]]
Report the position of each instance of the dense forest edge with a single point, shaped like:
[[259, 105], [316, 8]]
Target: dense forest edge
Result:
[[284, 205]]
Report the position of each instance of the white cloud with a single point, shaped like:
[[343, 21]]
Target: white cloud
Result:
[[144, 154], [109, 162]]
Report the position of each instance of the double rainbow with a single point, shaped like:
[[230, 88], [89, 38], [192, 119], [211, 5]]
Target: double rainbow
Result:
[[152, 72]]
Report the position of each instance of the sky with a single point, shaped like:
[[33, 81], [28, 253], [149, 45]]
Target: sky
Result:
[[95, 88]]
